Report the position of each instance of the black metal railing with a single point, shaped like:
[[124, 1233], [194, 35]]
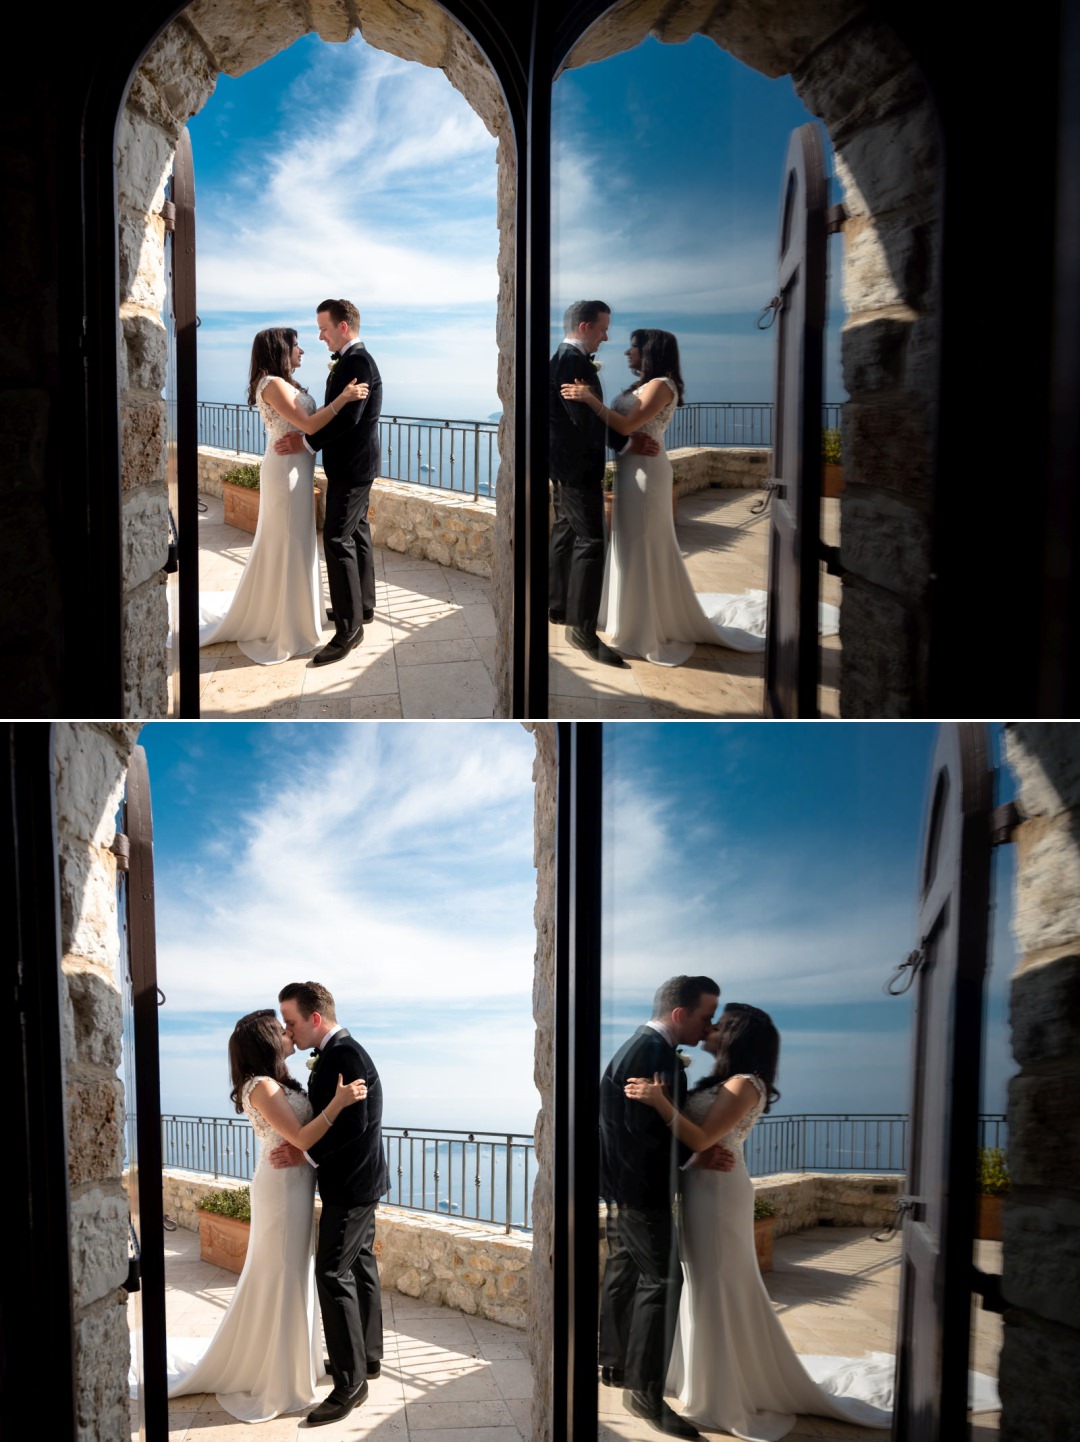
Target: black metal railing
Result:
[[832, 1142], [477, 1176], [732, 423], [461, 456]]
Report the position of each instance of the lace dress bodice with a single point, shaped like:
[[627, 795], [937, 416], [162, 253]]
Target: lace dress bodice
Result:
[[276, 425], [659, 423], [268, 1137], [698, 1105]]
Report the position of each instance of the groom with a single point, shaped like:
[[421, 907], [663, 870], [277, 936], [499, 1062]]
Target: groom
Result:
[[350, 447], [577, 439], [352, 1176], [640, 1162]]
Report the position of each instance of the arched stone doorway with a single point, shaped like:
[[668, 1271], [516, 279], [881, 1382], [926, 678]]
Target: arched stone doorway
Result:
[[173, 82], [853, 72]]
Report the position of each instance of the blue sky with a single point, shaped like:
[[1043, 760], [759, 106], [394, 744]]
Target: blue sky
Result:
[[340, 170], [394, 862]]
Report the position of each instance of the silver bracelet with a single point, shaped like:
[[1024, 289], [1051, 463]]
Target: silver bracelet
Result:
[[328, 1120]]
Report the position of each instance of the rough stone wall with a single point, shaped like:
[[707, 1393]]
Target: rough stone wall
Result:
[[174, 82], [1040, 1357], [853, 73], [540, 1328], [90, 767], [738, 467]]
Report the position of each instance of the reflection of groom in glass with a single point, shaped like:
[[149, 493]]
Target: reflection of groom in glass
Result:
[[640, 1161], [577, 455]]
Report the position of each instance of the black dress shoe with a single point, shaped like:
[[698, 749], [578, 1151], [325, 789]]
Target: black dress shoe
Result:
[[369, 614], [557, 618], [658, 1414], [593, 646], [612, 1377], [339, 1404], [338, 647]]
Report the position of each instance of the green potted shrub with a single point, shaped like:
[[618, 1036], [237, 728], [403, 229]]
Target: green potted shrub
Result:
[[994, 1183], [608, 487], [832, 471], [225, 1228], [764, 1226]]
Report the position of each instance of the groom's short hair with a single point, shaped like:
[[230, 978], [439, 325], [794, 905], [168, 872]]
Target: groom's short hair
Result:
[[583, 312], [310, 996], [340, 310], [685, 991]]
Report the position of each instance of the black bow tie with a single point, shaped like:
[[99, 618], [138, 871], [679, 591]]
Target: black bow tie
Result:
[[335, 355], [592, 355]]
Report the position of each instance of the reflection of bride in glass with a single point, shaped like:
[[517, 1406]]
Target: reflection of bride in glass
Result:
[[733, 1366], [649, 608]]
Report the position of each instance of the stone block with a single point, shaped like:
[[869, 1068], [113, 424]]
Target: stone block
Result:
[[88, 906], [99, 1244], [1047, 897], [97, 1012], [146, 534], [141, 241], [891, 166], [1037, 1372], [1041, 1240], [858, 78], [1044, 1013], [889, 263], [414, 31], [880, 672], [175, 80], [331, 19], [146, 628], [1044, 1130], [145, 348], [102, 1359], [773, 36], [240, 34], [143, 439], [469, 73], [888, 448], [144, 156], [461, 1298], [1044, 756], [91, 763], [95, 1116], [888, 543]]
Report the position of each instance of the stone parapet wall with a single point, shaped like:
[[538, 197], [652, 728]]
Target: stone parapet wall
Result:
[[1040, 1355], [695, 468], [477, 1269], [443, 526], [89, 764]]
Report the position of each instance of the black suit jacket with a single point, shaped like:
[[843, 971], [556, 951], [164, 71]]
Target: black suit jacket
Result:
[[350, 442], [352, 1168], [577, 437], [640, 1156]]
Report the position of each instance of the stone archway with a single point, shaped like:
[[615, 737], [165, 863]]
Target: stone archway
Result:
[[174, 81], [853, 72]]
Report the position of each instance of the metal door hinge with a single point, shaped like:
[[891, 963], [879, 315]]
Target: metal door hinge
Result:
[[1003, 822], [834, 219], [121, 849]]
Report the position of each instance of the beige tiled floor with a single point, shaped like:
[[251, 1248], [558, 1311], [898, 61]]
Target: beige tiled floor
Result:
[[448, 1378], [430, 651]]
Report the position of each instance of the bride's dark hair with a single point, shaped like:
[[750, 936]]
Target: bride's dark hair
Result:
[[746, 1041], [255, 1050], [271, 355], [659, 356]]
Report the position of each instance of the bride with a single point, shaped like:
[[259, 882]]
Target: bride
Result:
[[649, 608], [265, 1356], [276, 611], [733, 1366]]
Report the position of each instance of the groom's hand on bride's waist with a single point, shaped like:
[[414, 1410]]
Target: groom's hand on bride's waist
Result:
[[289, 443], [640, 444], [716, 1158], [286, 1155]]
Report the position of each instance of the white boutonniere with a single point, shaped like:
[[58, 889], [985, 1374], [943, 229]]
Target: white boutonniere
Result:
[[331, 364], [313, 1060], [596, 365], [683, 1058]]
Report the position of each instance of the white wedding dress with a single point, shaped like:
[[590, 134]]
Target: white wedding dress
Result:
[[266, 1354], [276, 611], [732, 1365], [649, 607]]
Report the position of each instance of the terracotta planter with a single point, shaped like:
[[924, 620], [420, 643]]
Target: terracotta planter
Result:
[[242, 507], [223, 1241], [763, 1240], [988, 1218], [832, 480]]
